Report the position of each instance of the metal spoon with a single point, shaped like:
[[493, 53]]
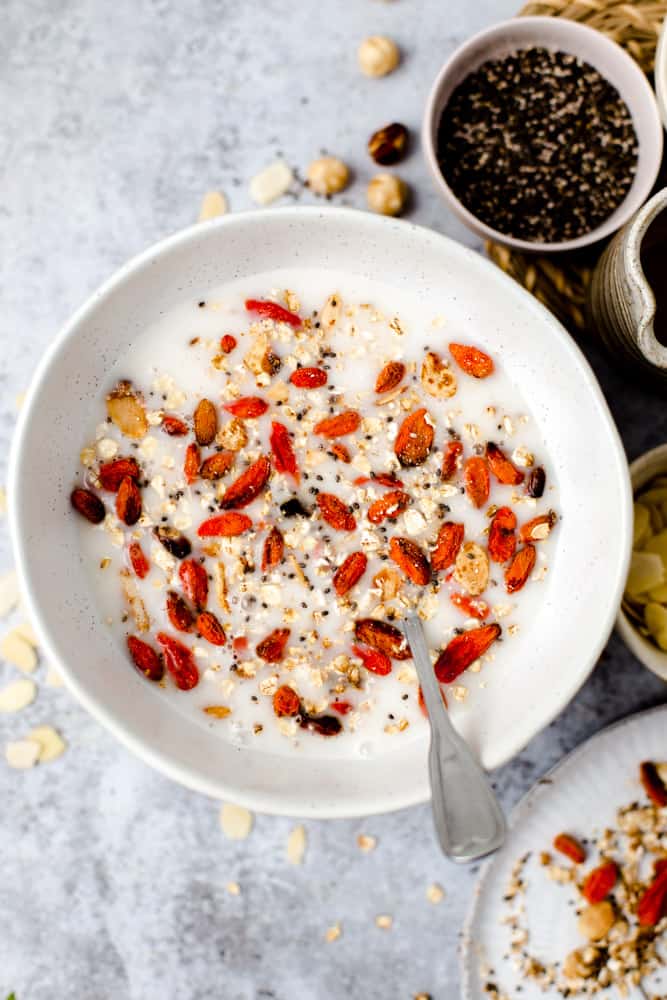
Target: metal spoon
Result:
[[468, 819]]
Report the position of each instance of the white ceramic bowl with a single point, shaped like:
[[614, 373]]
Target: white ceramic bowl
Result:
[[645, 468], [580, 595], [593, 47]]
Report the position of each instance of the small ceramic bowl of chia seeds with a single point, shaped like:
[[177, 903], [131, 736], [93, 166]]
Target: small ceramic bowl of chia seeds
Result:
[[542, 134]]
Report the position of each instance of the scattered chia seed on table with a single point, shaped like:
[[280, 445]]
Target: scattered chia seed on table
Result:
[[538, 145]]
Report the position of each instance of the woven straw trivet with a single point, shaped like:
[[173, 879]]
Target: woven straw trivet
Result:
[[560, 281]]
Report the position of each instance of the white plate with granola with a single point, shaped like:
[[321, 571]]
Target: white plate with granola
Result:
[[577, 898], [278, 445]]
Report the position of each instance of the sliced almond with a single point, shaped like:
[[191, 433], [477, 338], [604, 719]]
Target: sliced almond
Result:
[[435, 893], [9, 592], [213, 204], [271, 183], [296, 845], [127, 411], [333, 932], [218, 711], [16, 650], [220, 580], [236, 822], [366, 843], [384, 921], [437, 378], [471, 569], [233, 436], [17, 695], [51, 744], [22, 754], [27, 632], [331, 312]]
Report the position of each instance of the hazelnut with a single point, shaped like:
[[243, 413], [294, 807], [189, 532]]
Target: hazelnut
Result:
[[378, 56], [387, 194], [388, 145], [328, 175]]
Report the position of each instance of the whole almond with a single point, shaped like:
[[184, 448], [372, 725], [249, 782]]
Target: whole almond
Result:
[[205, 422], [597, 920]]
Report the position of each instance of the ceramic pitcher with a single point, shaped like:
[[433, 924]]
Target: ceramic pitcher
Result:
[[622, 296]]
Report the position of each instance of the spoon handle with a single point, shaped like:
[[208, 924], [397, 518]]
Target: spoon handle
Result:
[[468, 819]]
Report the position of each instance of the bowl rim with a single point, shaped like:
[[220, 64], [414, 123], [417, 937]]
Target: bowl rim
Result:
[[568, 29], [164, 760], [649, 656]]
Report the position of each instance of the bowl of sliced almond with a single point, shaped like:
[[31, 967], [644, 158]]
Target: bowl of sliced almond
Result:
[[642, 620]]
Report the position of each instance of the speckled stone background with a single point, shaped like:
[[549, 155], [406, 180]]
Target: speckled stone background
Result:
[[116, 117]]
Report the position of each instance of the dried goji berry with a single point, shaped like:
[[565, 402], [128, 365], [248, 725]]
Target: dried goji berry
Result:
[[309, 378], [502, 540], [248, 486], [195, 581], [336, 513], [520, 569], [176, 544], [342, 707], [284, 458], [247, 408], [339, 425], [659, 866], [210, 629], [174, 426], [179, 661], [504, 470], [286, 701], [477, 482], [145, 659], [653, 784], [227, 343], [349, 572], [374, 660], [111, 474], [178, 612], [447, 545], [471, 360], [128, 501], [383, 636], [274, 548], [191, 463], [652, 905], [568, 845], [88, 504], [391, 375], [415, 438], [538, 528], [205, 422], [599, 882], [272, 649], [340, 452], [474, 607], [388, 506], [463, 650], [452, 453], [216, 466], [271, 310], [224, 525], [386, 479], [138, 560], [409, 557]]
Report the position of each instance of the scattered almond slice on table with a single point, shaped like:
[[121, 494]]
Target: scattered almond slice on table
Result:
[[236, 822], [271, 183], [22, 754], [9, 592], [213, 204], [17, 695], [50, 742], [296, 845], [16, 649]]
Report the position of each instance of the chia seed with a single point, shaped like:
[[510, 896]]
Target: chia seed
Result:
[[538, 145]]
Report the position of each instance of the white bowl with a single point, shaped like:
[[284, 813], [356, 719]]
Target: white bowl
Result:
[[581, 593], [645, 468], [593, 47]]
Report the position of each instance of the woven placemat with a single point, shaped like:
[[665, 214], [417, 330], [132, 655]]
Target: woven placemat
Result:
[[560, 283]]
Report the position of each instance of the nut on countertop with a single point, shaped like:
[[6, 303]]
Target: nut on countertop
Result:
[[387, 194], [378, 56], [328, 175], [388, 145]]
